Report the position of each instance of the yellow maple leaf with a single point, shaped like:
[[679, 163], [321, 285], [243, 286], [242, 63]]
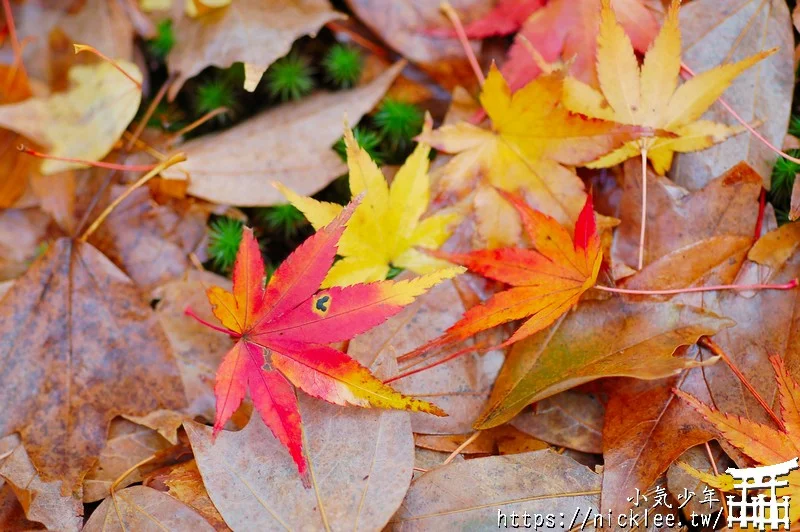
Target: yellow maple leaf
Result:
[[387, 227], [85, 121], [763, 444], [650, 96], [532, 137]]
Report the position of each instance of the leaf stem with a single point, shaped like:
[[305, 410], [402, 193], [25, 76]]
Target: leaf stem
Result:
[[461, 447], [644, 208], [98, 164], [712, 346], [197, 123], [149, 112], [175, 159], [86, 48], [189, 312], [462, 37], [747, 126], [786, 286], [448, 358]]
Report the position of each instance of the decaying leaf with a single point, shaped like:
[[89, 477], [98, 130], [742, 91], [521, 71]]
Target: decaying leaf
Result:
[[540, 482], [361, 462], [386, 228], [85, 121], [16, 167], [247, 31], [236, 166], [22, 235], [504, 439], [650, 96], [723, 31], [678, 479], [600, 339], [67, 331], [566, 31], [143, 508]]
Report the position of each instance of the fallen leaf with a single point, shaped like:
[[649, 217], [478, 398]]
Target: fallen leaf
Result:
[[85, 121], [68, 328], [128, 444], [22, 233], [57, 194], [17, 167], [41, 501], [405, 25], [198, 350], [600, 339], [546, 281], [12, 516], [98, 23], [650, 96], [386, 230], [504, 439], [281, 332], [762, 443], [678, 479], [183, 481], [504, 18], [145, 509], [232, 167], [246, 31], [461, 387], [151, 242], [568, 419], [361, 462], [566, 31], [730, 30], [541, 482], [531, 138]]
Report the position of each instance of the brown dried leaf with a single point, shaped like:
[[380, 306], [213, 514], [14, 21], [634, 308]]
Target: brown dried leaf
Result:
[[21, 233], [128, 444], [82, 347], [361, 462], [460, 387], [12, 516], [716, 32], [41, 501], [145, 510], [569, 419], [404, 25], [678, 478], [183, 481], [253, 32], [98, 23], [290, 143], [56, 195], [504, 439], [542, 482]]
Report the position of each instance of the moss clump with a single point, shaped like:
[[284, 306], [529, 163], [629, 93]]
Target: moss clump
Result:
[[343, 66], [224, 237], [290, 78]]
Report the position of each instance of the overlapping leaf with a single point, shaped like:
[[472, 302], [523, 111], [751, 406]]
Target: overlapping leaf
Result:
[[386, 227], [283, 329], [650, 96]]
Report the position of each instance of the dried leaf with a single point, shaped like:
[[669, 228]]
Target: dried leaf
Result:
[[232, 167], [247, 31], [68, 328], [722, 31], [568, 419], [504, 439], [361, 462], [22, 233], [16, 167], [541, 482], [601, 339], [678, 479], [145, 509], [85, 121]]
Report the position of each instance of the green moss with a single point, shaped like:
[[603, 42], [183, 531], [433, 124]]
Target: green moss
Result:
[[343, 65], [290, 78], [162, 43], [368, 140], [398, 122], [213, 93], [285, 219], [783, 176], [224, 237], [794, 126]]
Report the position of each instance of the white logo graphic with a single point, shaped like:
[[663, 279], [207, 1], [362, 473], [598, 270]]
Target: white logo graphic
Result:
[[763, 509]]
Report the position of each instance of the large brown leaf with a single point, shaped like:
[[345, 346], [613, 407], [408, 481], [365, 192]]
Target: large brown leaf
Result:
[[361, 463], [144, 509], [608, 338], [78, 346], [468, 495], [405, 25], [290, 143], [253, 32], [21, 233], [721, 31]]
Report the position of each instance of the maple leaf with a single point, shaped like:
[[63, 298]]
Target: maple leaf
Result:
[[546, 281], [531, 138], [504, 18], [650, 96], [282, 331], [763, 444], [567, 30], [387, 225]]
